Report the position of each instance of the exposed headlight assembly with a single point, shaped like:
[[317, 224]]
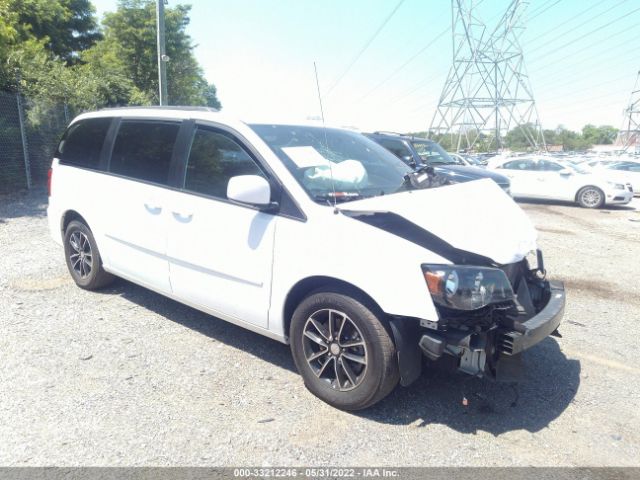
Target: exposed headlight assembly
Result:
[[462, 287]]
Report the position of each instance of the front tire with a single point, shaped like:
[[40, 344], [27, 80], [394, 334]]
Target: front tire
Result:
[[590, 197], [343, 350], [83, 257]]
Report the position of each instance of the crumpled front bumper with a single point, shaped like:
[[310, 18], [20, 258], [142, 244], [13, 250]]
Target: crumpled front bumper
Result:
[[494, 351], [537, 328]]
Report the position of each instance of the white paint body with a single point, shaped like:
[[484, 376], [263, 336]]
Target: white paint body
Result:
[[240, 264], [629, 176], [557, 185]]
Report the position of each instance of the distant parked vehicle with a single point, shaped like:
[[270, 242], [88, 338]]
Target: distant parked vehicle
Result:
[[420, 152], [468, 160], [627, 171], [544, 178]]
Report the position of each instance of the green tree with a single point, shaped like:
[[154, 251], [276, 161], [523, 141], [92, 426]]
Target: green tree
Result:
[[518, 138], [69, 26], [131, 34], [211, 97], [604, 134]]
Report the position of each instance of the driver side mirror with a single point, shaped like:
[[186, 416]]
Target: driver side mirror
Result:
[[566, 171], [250, 189], [408, 159]]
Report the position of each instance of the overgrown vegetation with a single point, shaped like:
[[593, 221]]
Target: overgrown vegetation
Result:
[[54, 51]]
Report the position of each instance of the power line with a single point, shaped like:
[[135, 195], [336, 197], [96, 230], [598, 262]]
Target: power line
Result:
[[599, 28], [417, 54], [570, 20], [365, 47], [401, 67], [553, 40], [561, 72], [586, 47], [535, 15], [423, 83], [581, 107], [573, 92]]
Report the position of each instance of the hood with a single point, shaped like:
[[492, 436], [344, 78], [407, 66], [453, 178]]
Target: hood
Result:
[[463, 173], [476, 217]]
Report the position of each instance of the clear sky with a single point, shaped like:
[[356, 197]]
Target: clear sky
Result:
[[582, 57]]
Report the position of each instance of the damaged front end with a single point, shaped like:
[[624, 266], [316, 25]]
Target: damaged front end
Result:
[[488, 317]]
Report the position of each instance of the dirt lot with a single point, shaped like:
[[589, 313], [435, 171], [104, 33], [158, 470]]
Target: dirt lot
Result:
[[127, 377]]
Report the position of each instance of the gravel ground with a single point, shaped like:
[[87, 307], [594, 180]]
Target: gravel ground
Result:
[[127, 377]]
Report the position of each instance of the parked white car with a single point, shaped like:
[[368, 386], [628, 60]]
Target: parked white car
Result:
[[545, 178], [316, 237], [626, 171]]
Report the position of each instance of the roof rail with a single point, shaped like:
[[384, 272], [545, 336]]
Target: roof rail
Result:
[[382, 132], [163, 107]]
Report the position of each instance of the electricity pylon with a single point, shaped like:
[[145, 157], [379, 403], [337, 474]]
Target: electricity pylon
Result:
[[487, 91], [629, 135]]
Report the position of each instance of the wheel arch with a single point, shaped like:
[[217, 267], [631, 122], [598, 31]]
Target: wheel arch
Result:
[[307, 285], [68, 217]]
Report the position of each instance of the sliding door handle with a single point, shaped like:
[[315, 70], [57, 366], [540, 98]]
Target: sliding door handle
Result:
[[152, 208]]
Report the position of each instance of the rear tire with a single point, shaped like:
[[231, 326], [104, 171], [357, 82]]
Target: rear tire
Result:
[[590, 197], [83, 257], [343, 349]]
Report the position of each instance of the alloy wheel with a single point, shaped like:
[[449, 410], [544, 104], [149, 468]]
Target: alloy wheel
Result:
[[335, 349], [80, 256], [591, 197]]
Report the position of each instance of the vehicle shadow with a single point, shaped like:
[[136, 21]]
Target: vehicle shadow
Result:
[[535, 201], [258, 345], [550, 382], [549, 385]]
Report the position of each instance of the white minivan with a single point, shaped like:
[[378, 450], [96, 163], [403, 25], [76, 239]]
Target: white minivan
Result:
[[314, 236]]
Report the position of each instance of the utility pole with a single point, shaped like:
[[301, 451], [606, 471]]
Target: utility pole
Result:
[[629, 138], [487, 91], [162, 56]]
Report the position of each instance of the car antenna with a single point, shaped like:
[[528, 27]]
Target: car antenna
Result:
[[326, 142]]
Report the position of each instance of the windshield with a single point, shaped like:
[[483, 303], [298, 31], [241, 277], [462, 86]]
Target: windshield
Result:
[[431, 153], [328, 160]]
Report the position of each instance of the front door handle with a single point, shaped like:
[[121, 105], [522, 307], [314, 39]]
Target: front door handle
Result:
[[182, 217]]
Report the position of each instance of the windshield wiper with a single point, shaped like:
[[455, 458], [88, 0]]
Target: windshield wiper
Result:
[[338, 197]]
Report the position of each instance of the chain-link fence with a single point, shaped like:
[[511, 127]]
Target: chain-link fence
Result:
[[29, 133]]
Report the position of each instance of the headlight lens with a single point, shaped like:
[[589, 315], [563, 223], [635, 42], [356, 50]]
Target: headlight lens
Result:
[[464, 287], [616, 186]]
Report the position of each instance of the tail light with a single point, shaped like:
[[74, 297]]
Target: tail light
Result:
[[49, 177]]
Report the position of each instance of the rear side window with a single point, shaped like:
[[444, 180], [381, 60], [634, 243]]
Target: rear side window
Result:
[[628, 167], [215, 158], [143, 150], [82, 142], [547, 166], [396, 147]]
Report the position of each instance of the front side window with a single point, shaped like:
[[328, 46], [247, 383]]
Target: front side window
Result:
[[143, 150], [431, 153], [520, 165], [215, 158], [334, 164], [82, 143]]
